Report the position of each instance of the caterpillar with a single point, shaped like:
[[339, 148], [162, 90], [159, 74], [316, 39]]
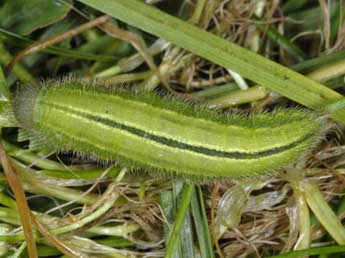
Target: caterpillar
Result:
[[142, 130]]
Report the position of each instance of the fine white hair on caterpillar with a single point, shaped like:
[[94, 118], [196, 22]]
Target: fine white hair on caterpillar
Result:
[[142, 130]]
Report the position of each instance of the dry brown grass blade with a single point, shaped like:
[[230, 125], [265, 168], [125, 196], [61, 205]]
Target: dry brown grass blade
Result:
[[55, 241], [326, 23], [139, 45], [23, 207], [39, 45], [213, 219]]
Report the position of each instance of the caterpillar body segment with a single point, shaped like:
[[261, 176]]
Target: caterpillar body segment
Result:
[[142, 130]]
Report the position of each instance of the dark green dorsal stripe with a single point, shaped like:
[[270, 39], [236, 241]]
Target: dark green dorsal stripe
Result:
[[180, 145]]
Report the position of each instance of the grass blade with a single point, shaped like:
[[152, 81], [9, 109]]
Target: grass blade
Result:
[[179, 220], [201, 225], [313, 251], [220, 51]]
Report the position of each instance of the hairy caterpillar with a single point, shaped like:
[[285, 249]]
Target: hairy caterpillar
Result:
[[142, 130]]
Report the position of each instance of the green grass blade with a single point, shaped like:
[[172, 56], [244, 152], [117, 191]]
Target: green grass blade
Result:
[[201, 225], [312, 64], [183, 207], [220, 51], [18, 70], [186, 237], [182, 244], [6, 118], [4, 91], [281, 40], [312, 251], [214, 92]]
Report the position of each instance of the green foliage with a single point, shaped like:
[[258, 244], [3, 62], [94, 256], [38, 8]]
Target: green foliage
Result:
[[219, 54], [25, 16]]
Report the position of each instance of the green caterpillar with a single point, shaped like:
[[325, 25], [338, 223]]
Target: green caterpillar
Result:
[[142, 130]]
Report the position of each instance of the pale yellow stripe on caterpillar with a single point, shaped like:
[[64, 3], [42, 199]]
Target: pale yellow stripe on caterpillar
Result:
[[167, 122], [159, 155], [141, 130]]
